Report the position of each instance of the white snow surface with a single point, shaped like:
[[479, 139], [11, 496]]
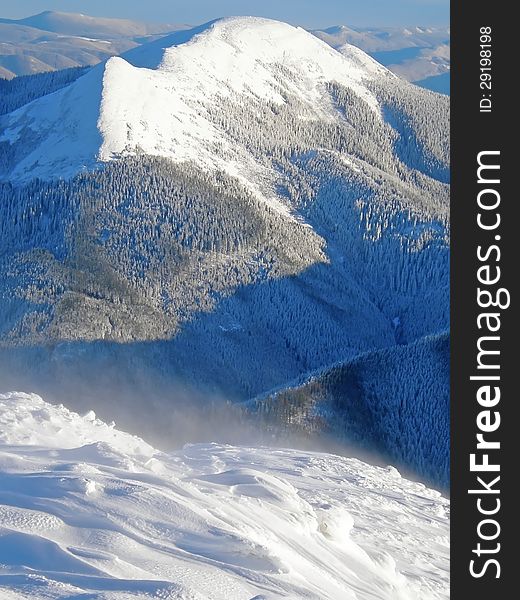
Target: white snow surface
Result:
[[156, 99], [87, 511]]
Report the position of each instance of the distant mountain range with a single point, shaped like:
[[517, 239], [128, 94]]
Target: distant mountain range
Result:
[[419, 54], [54, 40]]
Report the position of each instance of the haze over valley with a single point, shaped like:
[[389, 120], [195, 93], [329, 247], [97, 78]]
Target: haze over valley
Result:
[[234, 235]]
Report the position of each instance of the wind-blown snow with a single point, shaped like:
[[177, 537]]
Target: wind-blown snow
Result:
[[89, 511], [157, 99]]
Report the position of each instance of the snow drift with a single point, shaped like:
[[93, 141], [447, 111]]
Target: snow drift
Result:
[[88, 510]]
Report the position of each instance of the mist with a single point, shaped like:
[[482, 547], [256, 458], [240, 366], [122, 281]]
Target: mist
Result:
[[164, 412]]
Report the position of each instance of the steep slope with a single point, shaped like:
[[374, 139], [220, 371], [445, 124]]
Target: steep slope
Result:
[[88, 510], [236, 195], [164, 106], [395, 401]]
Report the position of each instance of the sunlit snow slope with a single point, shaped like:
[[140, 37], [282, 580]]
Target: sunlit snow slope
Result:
[[158, 98], [87, 511]]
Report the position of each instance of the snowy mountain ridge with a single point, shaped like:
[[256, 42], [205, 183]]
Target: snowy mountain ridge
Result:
[[53, 40], [157, 98], [88, 510], [418, 54], [235, 195]]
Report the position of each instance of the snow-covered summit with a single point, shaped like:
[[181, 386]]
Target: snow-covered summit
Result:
[[88, 510], [243, 50], [158, 98]]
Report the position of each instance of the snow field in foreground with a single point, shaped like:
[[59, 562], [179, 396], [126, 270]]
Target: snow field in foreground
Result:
[[87, 511]]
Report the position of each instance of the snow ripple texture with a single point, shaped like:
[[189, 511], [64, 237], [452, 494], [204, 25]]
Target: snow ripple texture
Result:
[[87, 511]]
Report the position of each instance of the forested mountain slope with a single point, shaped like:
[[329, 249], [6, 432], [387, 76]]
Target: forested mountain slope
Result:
[[395, 401], [223, 210], [14, 93]]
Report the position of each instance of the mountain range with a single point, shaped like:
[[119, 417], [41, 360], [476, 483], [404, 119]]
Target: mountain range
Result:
[[53, 40], [418, 54], [220, 214], [56, 40]]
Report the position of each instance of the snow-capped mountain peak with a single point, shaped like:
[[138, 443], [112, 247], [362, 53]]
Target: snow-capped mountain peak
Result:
[[247, 51], [249, 196], [157, 99]]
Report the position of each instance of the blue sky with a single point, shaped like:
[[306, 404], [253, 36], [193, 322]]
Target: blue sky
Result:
[[309, 13]]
